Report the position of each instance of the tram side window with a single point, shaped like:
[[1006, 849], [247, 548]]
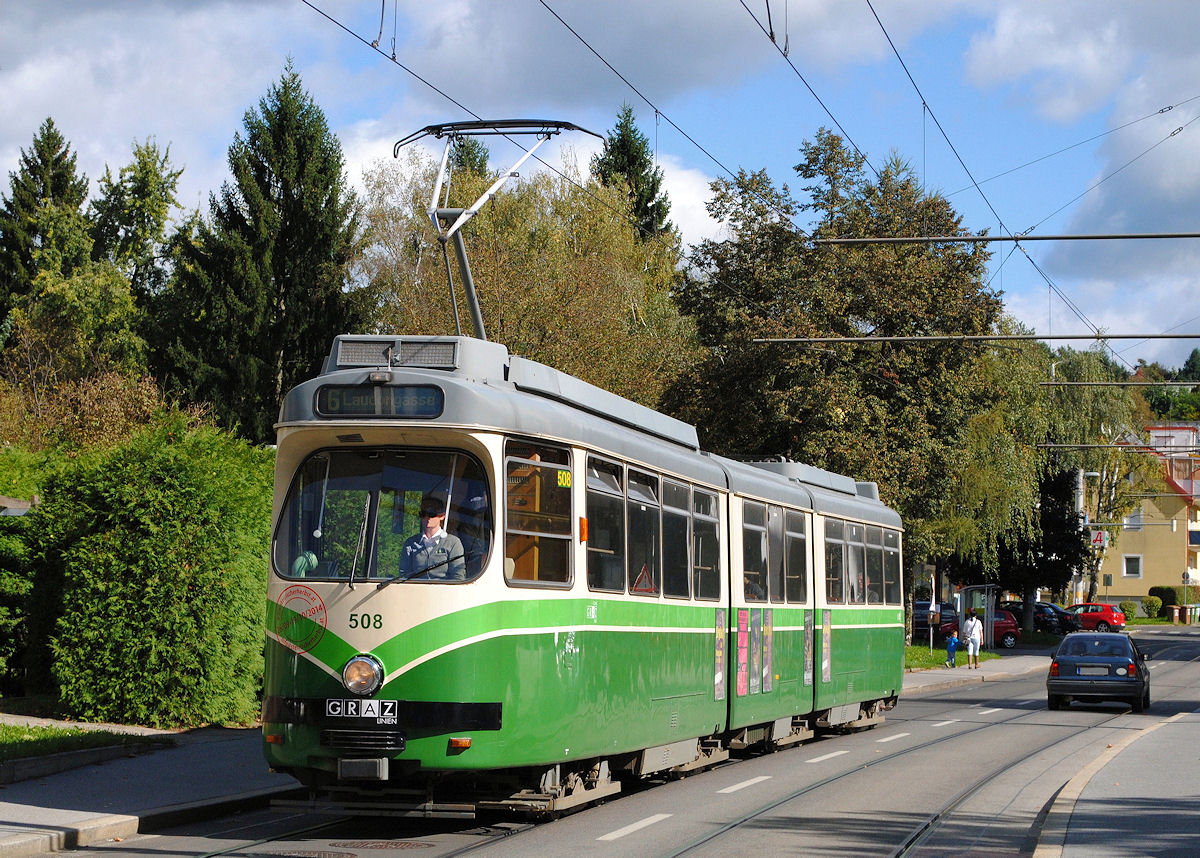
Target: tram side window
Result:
[[754, 551], [856, 589], [796, 583], [874, 565], [644, 571], [776, 557], [706, 546], [891, 567], [606, 526], [676, 539], [538, 527], [834, 561]]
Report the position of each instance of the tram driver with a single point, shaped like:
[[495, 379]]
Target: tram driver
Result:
[[433, 553]]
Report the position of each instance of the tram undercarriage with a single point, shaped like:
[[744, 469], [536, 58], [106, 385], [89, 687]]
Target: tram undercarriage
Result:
[[565, 787]]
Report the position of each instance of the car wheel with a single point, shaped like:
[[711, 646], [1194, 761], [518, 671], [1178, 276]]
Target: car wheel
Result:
[[1054, 701], [1102, 626], [1139, 703], [1009, 640]]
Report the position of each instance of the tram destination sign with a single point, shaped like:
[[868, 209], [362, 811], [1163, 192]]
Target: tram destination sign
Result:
[[373, 400]]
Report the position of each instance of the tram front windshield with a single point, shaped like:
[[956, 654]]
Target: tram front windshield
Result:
[[364, 514]]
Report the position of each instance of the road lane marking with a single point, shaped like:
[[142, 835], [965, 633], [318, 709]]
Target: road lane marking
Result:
[[892, 738], [637, 826], [990, 711], [944, 723], [744, 784], [826, 757]]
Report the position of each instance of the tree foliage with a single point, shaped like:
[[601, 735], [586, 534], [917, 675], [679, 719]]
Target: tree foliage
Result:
[[560, 280], [1172, 402], [468, 155], [131, 215], [1047, 555], [261, 287], [626, 161], [77, 320], [898, 415]]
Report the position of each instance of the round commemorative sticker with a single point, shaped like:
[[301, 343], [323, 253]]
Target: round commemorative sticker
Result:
[[302, 603]]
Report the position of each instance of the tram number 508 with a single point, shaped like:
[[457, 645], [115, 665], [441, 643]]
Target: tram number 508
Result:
[[366, 621]]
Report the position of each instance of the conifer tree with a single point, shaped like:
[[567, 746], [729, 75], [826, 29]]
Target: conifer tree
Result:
[[469, 156], [47, 177], [261, 287], [626, 157], [129, 218]]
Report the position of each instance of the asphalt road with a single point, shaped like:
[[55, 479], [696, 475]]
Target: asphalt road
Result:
[[967, 770]]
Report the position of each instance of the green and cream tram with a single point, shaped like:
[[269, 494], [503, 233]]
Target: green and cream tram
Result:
[[620, 603]]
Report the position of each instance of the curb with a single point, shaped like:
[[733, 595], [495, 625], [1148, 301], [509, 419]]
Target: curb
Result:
[[942, 685], [1054, 832], [106, 827], [27, 768]]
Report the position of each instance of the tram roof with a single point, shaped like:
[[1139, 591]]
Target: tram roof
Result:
[[484, 376]]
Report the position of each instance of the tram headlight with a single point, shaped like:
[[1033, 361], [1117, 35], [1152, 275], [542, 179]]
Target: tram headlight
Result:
[[363, 675]]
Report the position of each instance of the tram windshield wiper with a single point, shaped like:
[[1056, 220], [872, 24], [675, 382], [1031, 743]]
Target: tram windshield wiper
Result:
[[411, 575], [362, 540]]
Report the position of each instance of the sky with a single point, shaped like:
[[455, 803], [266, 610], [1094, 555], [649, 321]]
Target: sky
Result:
[[1063, 118]]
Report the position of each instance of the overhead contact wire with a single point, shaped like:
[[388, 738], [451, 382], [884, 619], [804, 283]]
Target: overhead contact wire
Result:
[[1046, 278]]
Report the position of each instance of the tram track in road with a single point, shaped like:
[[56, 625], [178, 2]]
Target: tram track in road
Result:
[[758, 813], [935, 822], [940, 819], [283, 844], [287, 835]]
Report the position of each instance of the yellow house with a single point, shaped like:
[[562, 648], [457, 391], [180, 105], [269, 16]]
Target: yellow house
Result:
[[1159, 544]]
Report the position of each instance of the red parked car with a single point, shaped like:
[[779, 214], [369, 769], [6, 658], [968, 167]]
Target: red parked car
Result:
[[1097, 617], [1006, 631]]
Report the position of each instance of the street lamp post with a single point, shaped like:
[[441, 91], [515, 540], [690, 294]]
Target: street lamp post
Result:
[[1081, 508]]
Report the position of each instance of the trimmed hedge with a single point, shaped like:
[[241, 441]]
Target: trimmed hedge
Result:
[[14, 590], [1173, 596], [150, 579]]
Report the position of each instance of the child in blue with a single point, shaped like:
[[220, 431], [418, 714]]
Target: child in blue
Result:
[[951, 648]]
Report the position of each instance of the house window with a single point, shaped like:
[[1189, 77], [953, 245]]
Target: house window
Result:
[[1132, 567]]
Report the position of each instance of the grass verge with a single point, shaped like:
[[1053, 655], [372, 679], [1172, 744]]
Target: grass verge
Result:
[[918, 657], [18, 741]]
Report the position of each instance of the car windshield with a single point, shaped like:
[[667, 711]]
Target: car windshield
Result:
[[1090, 646]]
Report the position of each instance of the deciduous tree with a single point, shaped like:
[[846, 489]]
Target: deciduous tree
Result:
[[1101, 420], [561, 279], [895, 414]]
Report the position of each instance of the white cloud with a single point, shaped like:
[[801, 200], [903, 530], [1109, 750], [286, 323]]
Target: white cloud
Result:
[[688, 190], [1070, 58]]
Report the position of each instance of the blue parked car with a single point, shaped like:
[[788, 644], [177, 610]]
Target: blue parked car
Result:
[[1098, 666]]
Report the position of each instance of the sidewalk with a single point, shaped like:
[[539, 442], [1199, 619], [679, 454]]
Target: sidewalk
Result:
[[208, 772], [213, 770], [1011, 663]]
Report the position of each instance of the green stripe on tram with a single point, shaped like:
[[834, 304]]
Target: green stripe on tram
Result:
[[545, 616]]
